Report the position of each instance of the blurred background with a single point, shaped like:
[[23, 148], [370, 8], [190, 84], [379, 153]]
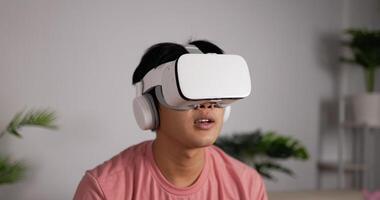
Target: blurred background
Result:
[[77, 58]]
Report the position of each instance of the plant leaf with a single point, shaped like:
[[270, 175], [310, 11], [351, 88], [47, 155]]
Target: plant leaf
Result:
[[257, 150], [10, 172], [39, 118]]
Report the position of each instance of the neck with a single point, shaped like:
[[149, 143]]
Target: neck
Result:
[[181, 166]]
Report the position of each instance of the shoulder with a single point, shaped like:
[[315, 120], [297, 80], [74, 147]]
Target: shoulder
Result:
[[247, 180], [121, 163], [237, 170], [113, 177], [229, 163]]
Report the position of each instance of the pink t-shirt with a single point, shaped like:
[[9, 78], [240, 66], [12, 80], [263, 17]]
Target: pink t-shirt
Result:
[[133, 174]]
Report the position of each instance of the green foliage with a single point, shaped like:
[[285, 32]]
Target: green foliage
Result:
[[365, 47], [39, 118], [264, 168], [11, 172], [262, 150], [278, 146]]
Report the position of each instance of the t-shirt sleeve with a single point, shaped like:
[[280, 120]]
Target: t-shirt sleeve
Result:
[[89, 189], [262, 192], [255, 185]]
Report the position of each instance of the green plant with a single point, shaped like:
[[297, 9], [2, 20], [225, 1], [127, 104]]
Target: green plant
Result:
[[365, 47], [13, 171], [10, 172], [263, 150]]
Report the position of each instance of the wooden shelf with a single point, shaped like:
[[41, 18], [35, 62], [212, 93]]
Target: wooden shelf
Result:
[[348, 167], [349, 124]]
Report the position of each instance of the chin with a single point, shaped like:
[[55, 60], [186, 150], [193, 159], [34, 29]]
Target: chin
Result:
[[204, 142]]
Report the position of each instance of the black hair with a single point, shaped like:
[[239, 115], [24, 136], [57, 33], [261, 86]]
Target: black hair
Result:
[[156, 55], [207, 47], [165, 52]]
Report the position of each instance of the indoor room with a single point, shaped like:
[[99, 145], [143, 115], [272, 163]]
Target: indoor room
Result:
[[247, 99]]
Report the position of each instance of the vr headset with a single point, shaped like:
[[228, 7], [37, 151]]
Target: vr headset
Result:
[[189, 81]]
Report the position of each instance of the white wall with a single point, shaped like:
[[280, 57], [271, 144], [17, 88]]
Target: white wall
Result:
[[78, 57]]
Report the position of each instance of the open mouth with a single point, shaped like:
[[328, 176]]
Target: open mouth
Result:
[[201, 121], [204, 123]]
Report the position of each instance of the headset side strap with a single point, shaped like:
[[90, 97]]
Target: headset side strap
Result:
[[139, 88], [153, 78], [193, 49]]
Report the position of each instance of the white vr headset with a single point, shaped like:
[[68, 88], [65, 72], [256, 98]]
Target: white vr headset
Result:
[[189, 81]]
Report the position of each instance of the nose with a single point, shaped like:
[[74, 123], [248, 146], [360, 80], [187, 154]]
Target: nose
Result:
[[205, 105]]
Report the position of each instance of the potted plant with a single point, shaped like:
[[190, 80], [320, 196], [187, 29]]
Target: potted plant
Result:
[[263, 150], [13, 171], [365, 52]]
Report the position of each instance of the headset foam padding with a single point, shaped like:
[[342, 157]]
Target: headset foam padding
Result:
[[145, 112], [227, 112]]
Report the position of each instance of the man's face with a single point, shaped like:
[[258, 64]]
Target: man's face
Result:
[[191, 128]]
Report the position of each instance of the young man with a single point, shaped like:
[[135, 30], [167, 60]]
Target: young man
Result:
[[181, 162]]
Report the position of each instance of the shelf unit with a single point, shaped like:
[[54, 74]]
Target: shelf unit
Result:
[[360, 166]]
